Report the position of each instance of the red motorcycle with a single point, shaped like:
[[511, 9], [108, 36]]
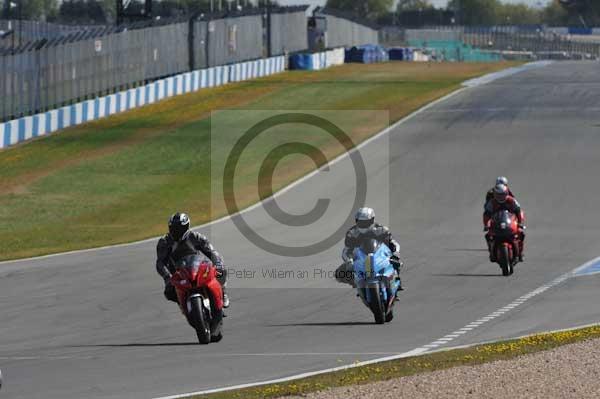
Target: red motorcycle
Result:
[[505, 239], [200, 296]]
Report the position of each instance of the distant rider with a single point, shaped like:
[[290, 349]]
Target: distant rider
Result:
[[366, 228], [500, 201], [490, 194], [181, 242]]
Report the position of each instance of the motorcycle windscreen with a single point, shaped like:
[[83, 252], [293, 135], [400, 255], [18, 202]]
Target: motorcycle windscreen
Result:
[[503, 224], [381, 259], [503, 217], [191, 264], [369, 245], [369, 265]]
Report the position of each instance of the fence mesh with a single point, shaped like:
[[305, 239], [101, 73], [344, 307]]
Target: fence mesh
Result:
[[47, 66]]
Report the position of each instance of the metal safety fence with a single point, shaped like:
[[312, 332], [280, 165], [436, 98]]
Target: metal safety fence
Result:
[[536, 44], [36, 30], [508, 42], [43, 123], [43, 74]]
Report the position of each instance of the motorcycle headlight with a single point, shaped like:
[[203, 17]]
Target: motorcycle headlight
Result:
[[502, 225], [206, 302]]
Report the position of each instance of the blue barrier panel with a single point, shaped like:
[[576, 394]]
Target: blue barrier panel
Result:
[[73, 113], [48, 122], [301, 61], [96, 108], [61, 118], [7, 132], [576, 30], [21, 130], [36, 125], [84, 112]]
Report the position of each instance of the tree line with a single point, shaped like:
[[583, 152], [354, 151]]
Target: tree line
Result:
[[406, 13], [474, 12], [104, 11]]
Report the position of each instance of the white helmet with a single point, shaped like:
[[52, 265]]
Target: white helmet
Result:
[[365, 218], [502, 180]]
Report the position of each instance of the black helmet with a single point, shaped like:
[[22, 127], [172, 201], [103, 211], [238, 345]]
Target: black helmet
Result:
[[179, 224]]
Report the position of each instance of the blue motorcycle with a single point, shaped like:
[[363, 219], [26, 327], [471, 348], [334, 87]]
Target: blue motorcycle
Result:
[[376, 278]]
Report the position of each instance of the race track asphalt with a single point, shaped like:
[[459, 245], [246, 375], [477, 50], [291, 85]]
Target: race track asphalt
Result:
[[95, 324]]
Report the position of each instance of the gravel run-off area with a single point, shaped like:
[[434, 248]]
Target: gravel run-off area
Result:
[[570, 371]]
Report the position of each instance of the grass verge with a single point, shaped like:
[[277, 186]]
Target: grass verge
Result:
[[413, 365], [117, 179]]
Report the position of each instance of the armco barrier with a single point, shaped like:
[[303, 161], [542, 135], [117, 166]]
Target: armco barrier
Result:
[[16, 131]]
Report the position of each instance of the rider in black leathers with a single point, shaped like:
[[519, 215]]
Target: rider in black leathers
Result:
[[180, 242]]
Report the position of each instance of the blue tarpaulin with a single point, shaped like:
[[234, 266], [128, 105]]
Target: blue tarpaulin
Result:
[[400, 54], [367, 54]]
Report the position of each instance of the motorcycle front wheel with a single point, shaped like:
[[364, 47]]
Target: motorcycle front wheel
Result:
[[200, 323], [389, 316], [376, 305], [504, 261]]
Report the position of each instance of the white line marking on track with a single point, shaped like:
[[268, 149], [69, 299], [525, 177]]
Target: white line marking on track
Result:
[[513, 305], [425, 349], [415, 352]]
